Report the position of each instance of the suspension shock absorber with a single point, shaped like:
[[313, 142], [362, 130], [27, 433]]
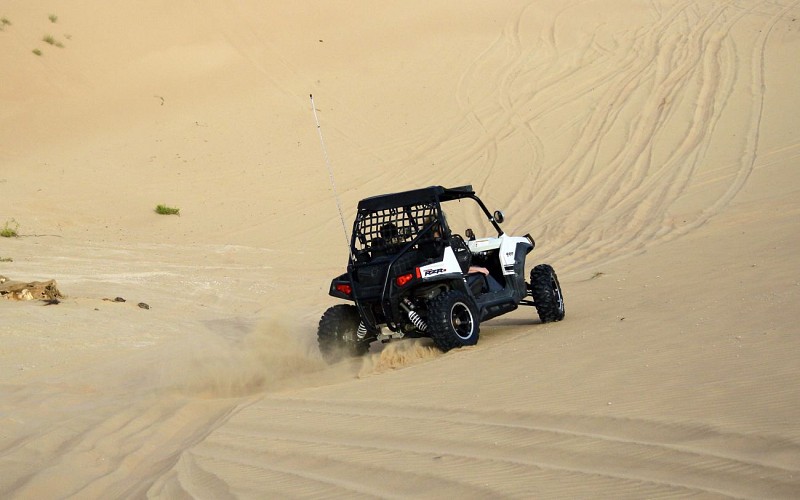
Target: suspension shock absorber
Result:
[[414, 316], [362, 331]]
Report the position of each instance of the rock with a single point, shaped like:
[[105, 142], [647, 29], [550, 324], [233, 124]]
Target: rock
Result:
[[34, 290]]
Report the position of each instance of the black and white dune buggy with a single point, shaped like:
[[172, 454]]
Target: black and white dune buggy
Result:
[[409, 275]]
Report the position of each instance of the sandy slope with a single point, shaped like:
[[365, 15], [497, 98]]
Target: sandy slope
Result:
[[649, 147]]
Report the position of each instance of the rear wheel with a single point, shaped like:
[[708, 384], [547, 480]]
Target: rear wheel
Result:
[[338, 334], [453, 320], [546, 292]]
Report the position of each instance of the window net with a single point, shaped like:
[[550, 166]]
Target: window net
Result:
[[391, 229]]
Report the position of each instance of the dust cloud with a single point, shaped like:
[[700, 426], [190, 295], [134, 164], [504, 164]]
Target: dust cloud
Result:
[[398, 354], [277, 355], [273, 356]]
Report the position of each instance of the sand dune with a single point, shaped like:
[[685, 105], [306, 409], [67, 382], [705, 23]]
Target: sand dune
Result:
[[649, 148]]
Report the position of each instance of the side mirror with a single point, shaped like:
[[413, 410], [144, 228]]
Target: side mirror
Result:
[[498, 216]]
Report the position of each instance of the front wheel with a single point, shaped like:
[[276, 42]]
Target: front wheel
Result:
[[453, 320], [338, 334], [546, 292]]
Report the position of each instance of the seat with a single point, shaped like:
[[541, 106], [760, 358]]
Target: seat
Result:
[[462, 252]]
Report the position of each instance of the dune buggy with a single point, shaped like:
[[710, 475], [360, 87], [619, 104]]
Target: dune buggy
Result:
[[410, 275]]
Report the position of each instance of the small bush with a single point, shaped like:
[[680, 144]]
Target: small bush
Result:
[[165, 210], [4, 22], [8, 231], [52, 41], [53, 18], [6, 259], [37, 52]]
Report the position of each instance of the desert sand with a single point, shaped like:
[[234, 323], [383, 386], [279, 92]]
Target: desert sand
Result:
[[650, 147]]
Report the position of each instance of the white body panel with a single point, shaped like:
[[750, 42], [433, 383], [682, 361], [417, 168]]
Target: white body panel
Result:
[[448, 265], [505, 245], [508, 251], [484, 244]]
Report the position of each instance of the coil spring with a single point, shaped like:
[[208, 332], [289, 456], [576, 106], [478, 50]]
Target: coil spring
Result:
[[362, 331], [418, 322]]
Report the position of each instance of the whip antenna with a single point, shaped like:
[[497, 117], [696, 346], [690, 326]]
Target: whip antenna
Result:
[[330, 174]]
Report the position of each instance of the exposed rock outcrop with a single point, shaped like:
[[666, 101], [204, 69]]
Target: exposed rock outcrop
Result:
[[32, 290]]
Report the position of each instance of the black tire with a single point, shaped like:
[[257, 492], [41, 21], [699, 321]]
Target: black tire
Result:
[[546, 292], [337, 334], [453, 320]]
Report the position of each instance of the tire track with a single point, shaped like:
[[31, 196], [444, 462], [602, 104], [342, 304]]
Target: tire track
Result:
[[597, 192], [655, 107], [305, 443], [680, 170], [636, 195], [98, 412], [122, 447]]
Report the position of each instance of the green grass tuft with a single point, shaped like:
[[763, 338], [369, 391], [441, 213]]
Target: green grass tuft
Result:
[[37, 52], [52, 41], [4, 22], [165, 210], [8, 231], [6, 259], [53, 18]]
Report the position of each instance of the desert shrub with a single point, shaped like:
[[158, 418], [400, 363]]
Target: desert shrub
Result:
[[52, 41], [10, 229], [165, 210]]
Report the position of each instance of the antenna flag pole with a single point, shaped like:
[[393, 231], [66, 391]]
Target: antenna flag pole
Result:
[[330, 173]]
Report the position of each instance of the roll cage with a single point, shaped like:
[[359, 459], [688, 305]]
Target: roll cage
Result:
[[391, 222], [392, 234]]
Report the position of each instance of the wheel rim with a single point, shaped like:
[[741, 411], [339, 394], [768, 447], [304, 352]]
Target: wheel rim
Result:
[[557, 295], [461, 320]]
